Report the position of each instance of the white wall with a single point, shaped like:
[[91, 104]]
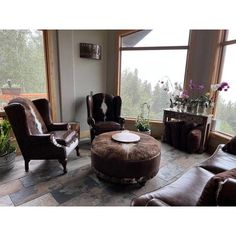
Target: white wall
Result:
[[79, 76]]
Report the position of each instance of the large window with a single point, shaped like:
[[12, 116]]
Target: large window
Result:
[[22, 65], [226, 101], [150, 58]]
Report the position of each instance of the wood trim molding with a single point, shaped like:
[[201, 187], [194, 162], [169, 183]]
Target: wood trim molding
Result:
[[50, 71], [119, 34], [84, 134], [153, 48]]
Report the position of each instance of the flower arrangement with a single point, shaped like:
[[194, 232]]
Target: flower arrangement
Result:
[[178, 96]]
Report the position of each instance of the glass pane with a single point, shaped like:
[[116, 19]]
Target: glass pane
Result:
[[231, 34], [226, 104], [22, 65], [142, 75], [156, 38]]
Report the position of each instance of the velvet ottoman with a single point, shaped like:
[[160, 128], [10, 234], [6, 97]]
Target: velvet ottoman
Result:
[[125, 163]]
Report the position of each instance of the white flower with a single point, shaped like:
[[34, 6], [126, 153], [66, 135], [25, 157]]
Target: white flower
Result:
[[214, 87]]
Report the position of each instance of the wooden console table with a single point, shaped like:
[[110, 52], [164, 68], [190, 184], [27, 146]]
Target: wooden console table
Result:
[[203, 120]]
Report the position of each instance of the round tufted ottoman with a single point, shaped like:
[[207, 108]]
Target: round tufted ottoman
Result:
[[120, 162]]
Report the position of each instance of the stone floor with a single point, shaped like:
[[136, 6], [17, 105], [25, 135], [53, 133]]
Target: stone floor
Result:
[[44, 184]]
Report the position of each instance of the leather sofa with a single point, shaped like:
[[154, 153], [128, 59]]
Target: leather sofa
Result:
[[211, 183]]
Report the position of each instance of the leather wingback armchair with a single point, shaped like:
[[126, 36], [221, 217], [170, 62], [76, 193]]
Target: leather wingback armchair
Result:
[[104, 113], [37, 136]]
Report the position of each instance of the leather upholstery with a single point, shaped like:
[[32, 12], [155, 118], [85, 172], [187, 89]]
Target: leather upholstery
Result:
[[125, 162], [37, 136], [183, 192], [196, 184], [183, 135], [103, 112], [219, 162]]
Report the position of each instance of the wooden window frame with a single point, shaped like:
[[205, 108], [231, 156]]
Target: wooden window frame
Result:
[[223, 45], [50, 71], [119, 49]]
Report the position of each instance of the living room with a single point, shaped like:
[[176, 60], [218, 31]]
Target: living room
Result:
[[71, 78]]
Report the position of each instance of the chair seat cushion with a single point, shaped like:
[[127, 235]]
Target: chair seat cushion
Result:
[[106, 126], [65, 137]]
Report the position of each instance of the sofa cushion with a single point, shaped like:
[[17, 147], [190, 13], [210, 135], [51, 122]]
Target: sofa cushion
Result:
[[227, 193], [230, 147], [219, 162], [210, 191]]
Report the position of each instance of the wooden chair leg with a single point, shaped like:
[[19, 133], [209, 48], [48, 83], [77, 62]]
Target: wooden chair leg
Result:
[[63, 162], [27, 165], [77, 151]]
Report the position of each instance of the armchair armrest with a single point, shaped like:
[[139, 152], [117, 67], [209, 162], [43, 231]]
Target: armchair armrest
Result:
[[58, 126], [41, 139], [227, 193], [121, 121], [91, 121]]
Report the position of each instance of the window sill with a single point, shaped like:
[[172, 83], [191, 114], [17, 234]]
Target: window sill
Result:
[[216, 134]]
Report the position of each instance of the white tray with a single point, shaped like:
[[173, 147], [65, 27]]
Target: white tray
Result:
[[125, 137]]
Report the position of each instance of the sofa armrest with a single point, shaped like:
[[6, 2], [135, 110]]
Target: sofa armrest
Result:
[[156, 202], [226, 195]]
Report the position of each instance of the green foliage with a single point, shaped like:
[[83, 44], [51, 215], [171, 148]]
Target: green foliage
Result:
[[5, 146], [134, 92], [22, 60], [142, 122]]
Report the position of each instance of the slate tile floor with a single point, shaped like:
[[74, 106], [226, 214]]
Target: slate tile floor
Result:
[[44, 184]]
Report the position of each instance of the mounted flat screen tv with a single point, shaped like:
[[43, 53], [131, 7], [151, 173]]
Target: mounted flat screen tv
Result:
[[89, 50]]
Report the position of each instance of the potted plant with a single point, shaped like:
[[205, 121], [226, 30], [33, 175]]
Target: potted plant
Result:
[[7, 150], [142, 121], [12, 89]]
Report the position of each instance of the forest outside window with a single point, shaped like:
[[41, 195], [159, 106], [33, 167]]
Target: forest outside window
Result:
[[22, 65], [147, 58], [226, 102]]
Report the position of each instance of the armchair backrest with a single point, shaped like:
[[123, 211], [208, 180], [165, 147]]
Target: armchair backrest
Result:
[[103, 107], [23, 114]]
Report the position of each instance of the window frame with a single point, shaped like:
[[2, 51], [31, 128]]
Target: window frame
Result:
[[118, 56], [223, 44]]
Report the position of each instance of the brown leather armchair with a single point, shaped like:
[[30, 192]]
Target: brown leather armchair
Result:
[[37, 136], [104, 113]]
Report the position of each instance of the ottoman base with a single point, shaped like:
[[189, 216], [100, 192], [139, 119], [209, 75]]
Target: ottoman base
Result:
[[141, 180]]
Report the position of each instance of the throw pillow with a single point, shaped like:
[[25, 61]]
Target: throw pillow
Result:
[[210, 191], [230, 147]]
